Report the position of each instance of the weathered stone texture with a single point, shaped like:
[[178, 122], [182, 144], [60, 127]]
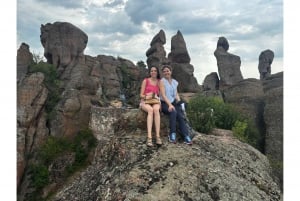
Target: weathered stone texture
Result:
[[228, 64], [62, 42], [183, 71], [264, 66], [24, 59], [247, 95], [179, 53], [156, 54], [211, 82], [31, 119], [214, 168], [273, 117]]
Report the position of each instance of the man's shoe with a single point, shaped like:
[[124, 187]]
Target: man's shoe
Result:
[[187, 140], [172, 138]]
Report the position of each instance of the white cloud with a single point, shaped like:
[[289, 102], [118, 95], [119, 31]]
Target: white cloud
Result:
[[126, 27]]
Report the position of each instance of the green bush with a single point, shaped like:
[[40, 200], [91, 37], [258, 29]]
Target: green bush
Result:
[[52, 148], [239, 130], [206, 113], [81, 145], [40, 175], [253, 135], [225, 115], [87, 136], [201, 121]]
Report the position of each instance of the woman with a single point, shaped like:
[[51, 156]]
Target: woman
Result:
[[169, 96], [149, 90]]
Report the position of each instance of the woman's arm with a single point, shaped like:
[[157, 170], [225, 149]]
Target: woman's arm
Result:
[[142, 92], [163, 94], [177, 98]]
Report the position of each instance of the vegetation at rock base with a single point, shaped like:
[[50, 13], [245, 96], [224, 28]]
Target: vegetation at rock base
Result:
[[80, 146], [141, 64], [51, 82], [206, 113], [277, 167], [127, 78]]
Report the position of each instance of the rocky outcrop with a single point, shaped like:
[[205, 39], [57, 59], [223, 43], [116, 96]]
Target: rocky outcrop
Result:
[[219, 167], [83, 82], [156, 54], [211, 82], [228, 64], [24, 59], [183, 71], [249, 104], [273, 118], [179, 53], [62, 43], [94, 80], [31, 119], [214, 168], [264, 66]]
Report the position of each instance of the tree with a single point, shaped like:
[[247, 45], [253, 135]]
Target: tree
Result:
[[37, 57], [141, 64]]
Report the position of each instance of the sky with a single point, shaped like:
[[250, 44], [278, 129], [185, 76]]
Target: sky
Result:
[[125, 28]]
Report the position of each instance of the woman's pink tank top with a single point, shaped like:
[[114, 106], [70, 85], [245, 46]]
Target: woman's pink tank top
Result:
[[151, 88]]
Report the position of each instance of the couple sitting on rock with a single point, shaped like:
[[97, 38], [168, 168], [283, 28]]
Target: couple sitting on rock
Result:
[[165, 90]]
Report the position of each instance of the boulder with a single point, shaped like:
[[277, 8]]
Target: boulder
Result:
[[211, 82], [264, 66], [63, 43], [24, 59], [228, 64], [156, 54], [183, 71]]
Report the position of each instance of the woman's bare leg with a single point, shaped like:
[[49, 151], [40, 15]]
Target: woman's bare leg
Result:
[[156, 112], [147, 108]]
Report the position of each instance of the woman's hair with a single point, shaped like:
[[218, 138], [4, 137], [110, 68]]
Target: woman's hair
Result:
[[166, 66], [158, 74]]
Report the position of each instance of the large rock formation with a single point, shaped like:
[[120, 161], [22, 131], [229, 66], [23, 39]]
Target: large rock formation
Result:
[[179, 53], [94, 80], [31, 119], [156, 54], [273, 118], [264, 66], [183, 71], [62, 43], [249, 104], [247, 96], [83, 82], [24, 59], [211, 82], [218, 167], [228, 64]]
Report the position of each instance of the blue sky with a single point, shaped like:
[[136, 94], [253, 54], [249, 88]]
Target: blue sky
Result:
[[125, 28]]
